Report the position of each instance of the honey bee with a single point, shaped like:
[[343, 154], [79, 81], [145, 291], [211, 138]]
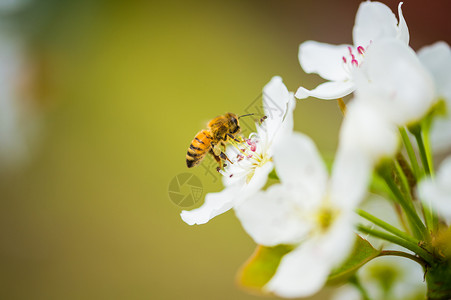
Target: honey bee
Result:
[[220, 130]]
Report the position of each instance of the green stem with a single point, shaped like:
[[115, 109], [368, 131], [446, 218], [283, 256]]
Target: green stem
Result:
[[415, 222], [410, 152], [430, 213], [421, 133], [405, 168], [386, 226], [356, 283], [438, 280], [405, 187], [402, 218], [416, 131], [429, 258], [427, 144], [404, 254]]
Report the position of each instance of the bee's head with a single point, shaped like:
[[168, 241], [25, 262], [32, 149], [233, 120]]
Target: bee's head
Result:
[[234, 126]]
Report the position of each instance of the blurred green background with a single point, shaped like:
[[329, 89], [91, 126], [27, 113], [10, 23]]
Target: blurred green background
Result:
[[118, 90]]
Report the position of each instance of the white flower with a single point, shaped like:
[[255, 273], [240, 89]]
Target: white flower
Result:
[[253, 162], [308, 209], [395, 83], [437, 59], [367, 134], [438, 190], [387, 278], [374, 21]]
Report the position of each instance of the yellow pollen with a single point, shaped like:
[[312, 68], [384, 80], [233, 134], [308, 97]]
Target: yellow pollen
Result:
[[325, 217]]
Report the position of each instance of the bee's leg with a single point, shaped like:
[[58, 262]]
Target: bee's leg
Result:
[[220, 153], [224, 157], [217, 154], [218, 160], [233, 138]]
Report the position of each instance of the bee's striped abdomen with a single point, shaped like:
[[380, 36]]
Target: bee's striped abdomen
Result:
[[199, 147]]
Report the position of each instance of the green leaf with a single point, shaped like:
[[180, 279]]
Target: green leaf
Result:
[[362, 253], [261, 266]]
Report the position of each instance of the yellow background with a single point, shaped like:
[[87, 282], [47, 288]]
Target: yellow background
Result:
[[123, 87]]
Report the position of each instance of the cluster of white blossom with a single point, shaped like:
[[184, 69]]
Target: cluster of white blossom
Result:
[[395, 91]]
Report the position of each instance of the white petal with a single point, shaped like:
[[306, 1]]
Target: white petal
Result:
[[301, 273], [298, 163], [403, 30], [374, 21], [438, 190], [346, 292], [406, 277], [396, 82], [275, 99], [366, 137], [366, 131], [323, 59], [272, 217], [350, 176], [437, 59], [304, 271], [278, 105], [338, 241], [441, 135], [215, 204], [329, 90], [258, 179]]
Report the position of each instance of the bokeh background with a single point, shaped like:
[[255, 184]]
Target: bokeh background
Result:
[[99, 102]]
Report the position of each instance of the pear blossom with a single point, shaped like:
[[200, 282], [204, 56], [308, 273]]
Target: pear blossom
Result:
[[336, 63], [437, 190], [436, 59], [308, 210], [366, 137], [387, 278], [367, 134], [395, 83], [251, 158]]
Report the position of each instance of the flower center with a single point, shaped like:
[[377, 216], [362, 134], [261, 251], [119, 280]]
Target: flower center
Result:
[[353, 59], [249, 156], [325, 216]]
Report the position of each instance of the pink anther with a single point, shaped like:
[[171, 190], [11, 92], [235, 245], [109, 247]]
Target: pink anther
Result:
[[361, 50]]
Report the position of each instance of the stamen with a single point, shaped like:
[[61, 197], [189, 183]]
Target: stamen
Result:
[[361, 50], [234, 144], [354, 62], [344, 59]]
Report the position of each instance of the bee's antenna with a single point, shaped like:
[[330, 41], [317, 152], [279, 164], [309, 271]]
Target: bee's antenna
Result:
[[245, 115]]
